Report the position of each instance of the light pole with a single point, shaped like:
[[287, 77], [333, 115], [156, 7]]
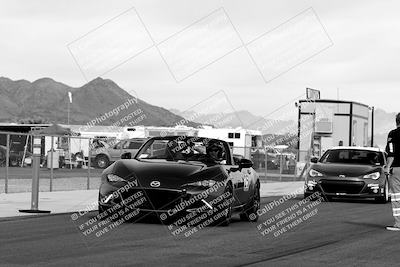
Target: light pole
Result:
[[69, 139], [69, 102], [68, 114]]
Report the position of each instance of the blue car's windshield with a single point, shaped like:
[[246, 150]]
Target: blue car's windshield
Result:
[[353, 156]]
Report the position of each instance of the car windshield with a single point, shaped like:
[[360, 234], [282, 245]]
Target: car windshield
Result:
[[353, 156], [187, 149]]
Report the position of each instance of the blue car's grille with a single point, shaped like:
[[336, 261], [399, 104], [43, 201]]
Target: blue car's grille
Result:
[[342, 186]]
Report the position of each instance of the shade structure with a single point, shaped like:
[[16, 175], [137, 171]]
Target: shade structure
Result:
[[54, 129]]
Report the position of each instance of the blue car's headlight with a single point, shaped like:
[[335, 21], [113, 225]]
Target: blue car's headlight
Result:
[[114, 178], [314, 173], [374, 175]]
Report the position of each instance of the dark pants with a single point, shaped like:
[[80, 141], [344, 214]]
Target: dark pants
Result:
[[394, 182]]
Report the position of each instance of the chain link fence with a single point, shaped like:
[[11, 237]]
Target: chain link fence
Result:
[[64, 163], [76, 162], [271, 164]]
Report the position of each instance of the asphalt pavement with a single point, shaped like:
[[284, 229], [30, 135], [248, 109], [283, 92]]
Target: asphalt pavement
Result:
[[76, 200], [338, 233]]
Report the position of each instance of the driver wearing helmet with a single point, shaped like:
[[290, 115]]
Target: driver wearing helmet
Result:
[[215, 152]]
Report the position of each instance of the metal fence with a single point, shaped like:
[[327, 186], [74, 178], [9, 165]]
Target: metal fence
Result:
[[272, 164], [64, 163], [70, 162]]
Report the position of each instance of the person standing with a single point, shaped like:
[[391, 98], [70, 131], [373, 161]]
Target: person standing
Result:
[[393, 170]]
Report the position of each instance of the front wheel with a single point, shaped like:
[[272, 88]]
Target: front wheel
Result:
[[225, 213], [250, 213], [385, 197]]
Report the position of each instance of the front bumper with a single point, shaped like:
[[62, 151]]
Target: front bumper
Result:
[[158, 200], [345, 187]]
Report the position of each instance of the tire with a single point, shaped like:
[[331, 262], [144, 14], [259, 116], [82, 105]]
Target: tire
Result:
[[14, 163], [227, 216], [250, 213], [314, 198], [102, 161], [385, 198], [101, 209]]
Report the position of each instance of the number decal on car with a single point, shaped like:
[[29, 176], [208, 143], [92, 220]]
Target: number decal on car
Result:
[[246, 182]]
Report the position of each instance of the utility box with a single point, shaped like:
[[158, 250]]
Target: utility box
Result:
[[56, 159]]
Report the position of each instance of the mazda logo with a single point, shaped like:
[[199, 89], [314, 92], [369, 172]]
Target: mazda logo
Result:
[[342, 176], [155, 184]]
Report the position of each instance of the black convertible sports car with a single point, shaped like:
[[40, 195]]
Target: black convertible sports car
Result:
[[175, 176], [349, 172]]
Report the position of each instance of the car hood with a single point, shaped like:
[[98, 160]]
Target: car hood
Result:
[[351, 170], [170, 174]]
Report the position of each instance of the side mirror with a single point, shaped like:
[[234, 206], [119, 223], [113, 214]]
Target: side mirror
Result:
[[236, 160], [245, 163], [127, 155], [314, 160]]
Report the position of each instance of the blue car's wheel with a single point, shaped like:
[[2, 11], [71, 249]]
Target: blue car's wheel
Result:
[[385, 197]]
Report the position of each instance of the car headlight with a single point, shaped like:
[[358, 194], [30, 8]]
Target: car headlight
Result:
[[314, 173], [114, 178], [374, 175], [311, 183], [204, 183]]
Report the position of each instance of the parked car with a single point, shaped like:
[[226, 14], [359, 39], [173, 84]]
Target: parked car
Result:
[[179, 177], [104, 154], [349, 172]]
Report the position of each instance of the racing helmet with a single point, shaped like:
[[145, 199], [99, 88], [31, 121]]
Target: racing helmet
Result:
[[215, 145]]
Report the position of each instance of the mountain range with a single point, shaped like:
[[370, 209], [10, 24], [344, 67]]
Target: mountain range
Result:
[[46, 101], [383, 123], [241, 118]]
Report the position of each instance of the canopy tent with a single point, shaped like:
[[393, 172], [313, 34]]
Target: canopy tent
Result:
[[54, 129]]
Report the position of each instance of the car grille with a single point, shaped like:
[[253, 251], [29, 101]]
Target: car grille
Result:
[[156, 199], [348, 187]]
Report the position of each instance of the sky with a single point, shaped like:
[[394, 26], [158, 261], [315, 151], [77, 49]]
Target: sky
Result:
[[175, 54]]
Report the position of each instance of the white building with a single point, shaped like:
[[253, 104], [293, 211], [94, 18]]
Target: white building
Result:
[[327, 123]]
